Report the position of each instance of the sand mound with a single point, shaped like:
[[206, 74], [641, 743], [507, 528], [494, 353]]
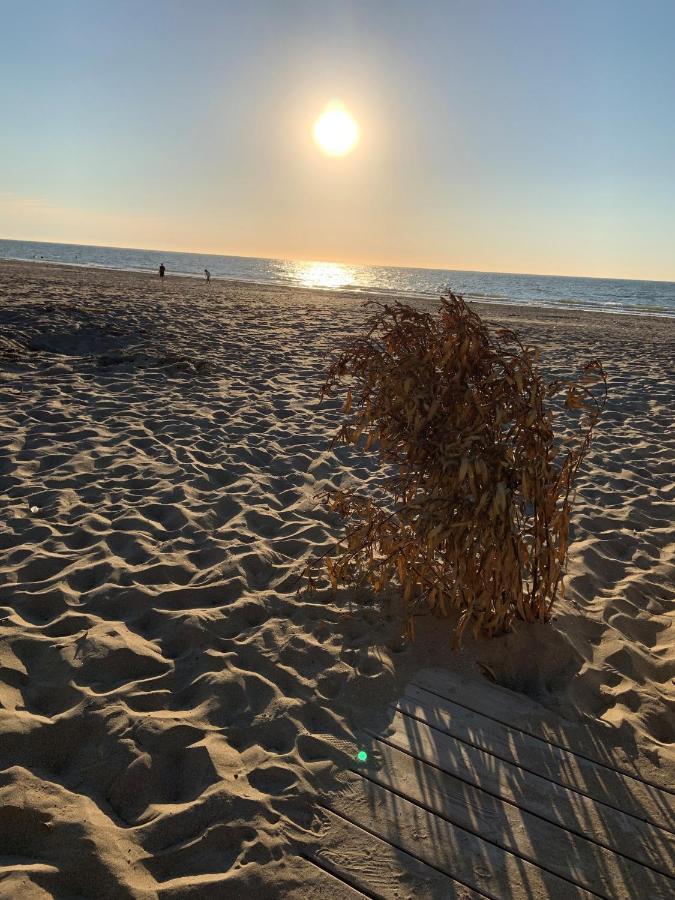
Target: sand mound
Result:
[[537, 660]]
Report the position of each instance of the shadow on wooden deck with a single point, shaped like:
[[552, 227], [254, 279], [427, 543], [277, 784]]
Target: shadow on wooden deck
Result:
[[475, 791]]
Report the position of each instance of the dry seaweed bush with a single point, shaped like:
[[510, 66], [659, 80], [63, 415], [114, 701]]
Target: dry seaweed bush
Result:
[[474, 515]]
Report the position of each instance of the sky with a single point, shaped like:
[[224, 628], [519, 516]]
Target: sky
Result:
[[495, 136]]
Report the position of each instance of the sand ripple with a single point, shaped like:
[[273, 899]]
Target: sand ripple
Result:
[[167, 704]]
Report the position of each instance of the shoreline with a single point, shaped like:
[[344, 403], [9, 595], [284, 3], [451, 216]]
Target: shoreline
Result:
[[571, 307]]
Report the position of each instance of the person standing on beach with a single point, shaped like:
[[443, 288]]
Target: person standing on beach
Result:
[[162, 270], [207, 275]]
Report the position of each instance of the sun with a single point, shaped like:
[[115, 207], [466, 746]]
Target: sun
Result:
[[336, 131]]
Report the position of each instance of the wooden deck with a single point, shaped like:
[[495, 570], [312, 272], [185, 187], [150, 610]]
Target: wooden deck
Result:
[[473, 791]]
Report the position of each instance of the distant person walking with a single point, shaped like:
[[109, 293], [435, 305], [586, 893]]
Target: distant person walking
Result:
[[207, 275], [162, 270]]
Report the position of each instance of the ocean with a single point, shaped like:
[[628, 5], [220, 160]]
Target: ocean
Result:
[[656, 298]]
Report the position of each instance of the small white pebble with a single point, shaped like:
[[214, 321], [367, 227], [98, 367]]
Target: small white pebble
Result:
[[35, 509]]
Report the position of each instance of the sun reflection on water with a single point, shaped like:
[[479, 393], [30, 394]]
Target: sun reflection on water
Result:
[[322, 274]]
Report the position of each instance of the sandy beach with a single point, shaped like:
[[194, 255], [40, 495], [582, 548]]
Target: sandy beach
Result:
[[170, 707]]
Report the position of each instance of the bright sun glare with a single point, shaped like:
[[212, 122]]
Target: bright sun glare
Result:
[[336, 131]]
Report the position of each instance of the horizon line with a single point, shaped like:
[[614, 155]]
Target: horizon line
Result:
[[339, 262]]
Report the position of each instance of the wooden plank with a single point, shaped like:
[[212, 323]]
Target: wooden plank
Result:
[[317, 882], [517, 710], [438, 745], [376, 867], [300, 880], [459, 853], [579, 760], [534, 839]]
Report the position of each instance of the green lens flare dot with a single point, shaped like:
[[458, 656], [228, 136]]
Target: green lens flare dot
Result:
[[362, 756]]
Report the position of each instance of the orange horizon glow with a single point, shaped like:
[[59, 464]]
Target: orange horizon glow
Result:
[[171, 247]]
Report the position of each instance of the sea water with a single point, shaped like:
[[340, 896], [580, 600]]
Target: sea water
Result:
[[557, 291]]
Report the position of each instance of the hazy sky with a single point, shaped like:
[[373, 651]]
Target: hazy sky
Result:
[[496, 134]]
